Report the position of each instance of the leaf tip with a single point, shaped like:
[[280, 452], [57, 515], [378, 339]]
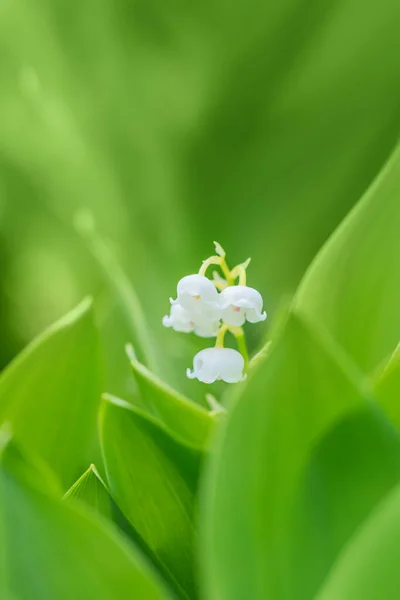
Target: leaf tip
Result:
[[130, 353]]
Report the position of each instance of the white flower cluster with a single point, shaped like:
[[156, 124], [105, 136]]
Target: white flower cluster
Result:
[[199, 308]]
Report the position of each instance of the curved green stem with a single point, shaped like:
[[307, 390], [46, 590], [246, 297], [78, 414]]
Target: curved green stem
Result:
[[238, 333], [221, 262], [219, 341], [240, 271], [242, 347]]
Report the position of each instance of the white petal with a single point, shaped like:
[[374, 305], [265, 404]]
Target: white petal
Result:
[[198, 294], [232, 316], [206, 366], [217, 363], [231, 365], [255, 316], [241, 297], [190, 374], [189, 302], [198, 285], [179, 319], [206, 330]]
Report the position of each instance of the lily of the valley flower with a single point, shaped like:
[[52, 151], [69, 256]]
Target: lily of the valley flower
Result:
[[185, 321], [240, 303], [214, 364], [197, 294]]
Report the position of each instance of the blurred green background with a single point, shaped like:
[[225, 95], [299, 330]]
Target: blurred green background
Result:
[[256, 124]]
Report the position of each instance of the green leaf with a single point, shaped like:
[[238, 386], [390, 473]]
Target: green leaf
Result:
[[369, 567], [55, 550], [188, 422], [153, 479], [122, 288], [352, 287], [50, 393], [387, 388], [302, 460], [91, 490]]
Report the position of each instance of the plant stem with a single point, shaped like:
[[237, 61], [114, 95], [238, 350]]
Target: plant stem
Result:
[[242, 346]]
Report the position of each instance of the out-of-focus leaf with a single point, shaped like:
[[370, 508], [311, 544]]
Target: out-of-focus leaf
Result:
[[164, 119], [153, 479], [348, 472], [50, 393], [387, 388], [91, 490], [121, 287], [275, 509], [353, 285], [291, 139], [368, 569], [189, 422], [54, 550]]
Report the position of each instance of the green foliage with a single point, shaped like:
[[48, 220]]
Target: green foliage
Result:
[[352, 287], [190, 423], [387, 388], [301, 417], [50, 393], [261, 125], [92, 491], [154, 480], [53, 550], [369, 567]]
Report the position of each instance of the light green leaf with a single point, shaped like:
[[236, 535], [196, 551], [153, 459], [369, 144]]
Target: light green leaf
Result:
[[352, 287], [369, 567], [302, 460], [387, 388], [188, 422], [123, 290], [54, 550], [153, 479], [50, 393], [91, 490]]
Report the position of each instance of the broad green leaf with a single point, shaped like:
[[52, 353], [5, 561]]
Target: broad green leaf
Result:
[[387, 388], [352, 287], [189, 422], [275, 510], [153, 479], [348, 472], [369, 567], [55, 550], [91, 490], [50, 393]]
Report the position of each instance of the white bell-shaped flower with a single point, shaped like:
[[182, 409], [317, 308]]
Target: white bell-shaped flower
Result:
[[197, 294], [240, 303], [184, 321], [214, 364], [179, 319]]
